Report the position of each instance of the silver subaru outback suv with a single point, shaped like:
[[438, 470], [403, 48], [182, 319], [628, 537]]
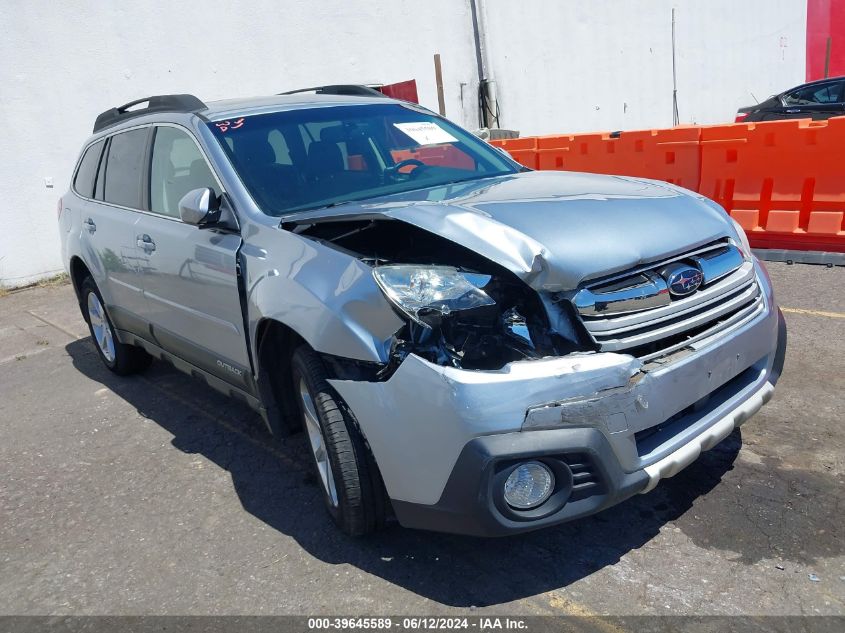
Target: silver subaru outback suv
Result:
[[470, 346]]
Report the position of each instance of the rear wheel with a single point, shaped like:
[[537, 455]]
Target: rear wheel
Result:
[[346, 471], [120, 358]]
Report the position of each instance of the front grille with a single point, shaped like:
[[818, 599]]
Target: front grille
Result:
[[727, 301]]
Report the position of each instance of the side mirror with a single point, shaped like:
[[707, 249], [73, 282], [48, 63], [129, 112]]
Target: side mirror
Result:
[[198, 206]]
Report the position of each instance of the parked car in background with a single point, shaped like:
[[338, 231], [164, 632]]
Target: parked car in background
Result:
[[468, 345], [816, 100]]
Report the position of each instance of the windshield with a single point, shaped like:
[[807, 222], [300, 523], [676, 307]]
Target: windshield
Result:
[[304, 159]]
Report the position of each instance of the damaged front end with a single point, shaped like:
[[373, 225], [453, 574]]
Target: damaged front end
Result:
[[460, 309], [492, 371], [570, 355]]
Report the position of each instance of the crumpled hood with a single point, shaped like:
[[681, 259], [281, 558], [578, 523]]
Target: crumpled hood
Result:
[[555, 229]]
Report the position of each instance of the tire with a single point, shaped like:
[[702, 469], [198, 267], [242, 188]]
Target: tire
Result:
[[347, 473], [119, 358]]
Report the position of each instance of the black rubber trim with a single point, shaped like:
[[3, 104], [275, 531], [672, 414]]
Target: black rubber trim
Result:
[[223, 368], [819, 257], [147, 168], [469, 501], [129, 321], [102, 172], [224, 387], [780, 354]]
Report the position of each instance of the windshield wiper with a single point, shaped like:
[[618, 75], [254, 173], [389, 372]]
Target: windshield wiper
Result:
[[320, 206], [470, 179], [337, 204]]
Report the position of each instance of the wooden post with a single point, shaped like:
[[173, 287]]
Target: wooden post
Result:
[[438, 77], [827, 60]]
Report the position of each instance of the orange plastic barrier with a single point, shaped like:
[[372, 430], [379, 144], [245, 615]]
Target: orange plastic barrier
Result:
[[523, 150], [783, 181], [671, 155]]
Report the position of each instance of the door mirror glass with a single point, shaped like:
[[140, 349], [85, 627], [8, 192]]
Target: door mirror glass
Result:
[[197, 206]]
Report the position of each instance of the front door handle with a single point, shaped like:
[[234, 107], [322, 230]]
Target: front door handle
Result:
[[146, 242], [794, 110], [89, 224]]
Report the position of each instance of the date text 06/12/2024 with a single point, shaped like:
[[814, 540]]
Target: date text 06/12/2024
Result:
[[417, 623]]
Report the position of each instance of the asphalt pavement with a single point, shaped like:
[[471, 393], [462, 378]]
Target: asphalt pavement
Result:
[[153, 494]]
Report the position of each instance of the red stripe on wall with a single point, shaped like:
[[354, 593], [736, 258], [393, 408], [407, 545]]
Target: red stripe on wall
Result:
[[825, 19]]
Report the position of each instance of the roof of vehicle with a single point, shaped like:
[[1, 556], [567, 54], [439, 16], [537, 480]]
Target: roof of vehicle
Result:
[[777, 97], [184, 104], [227, 108], [813, 83]]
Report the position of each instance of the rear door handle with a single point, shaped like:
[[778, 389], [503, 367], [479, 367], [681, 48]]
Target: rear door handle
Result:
[[146, 242], [89, 224], [794, 110]]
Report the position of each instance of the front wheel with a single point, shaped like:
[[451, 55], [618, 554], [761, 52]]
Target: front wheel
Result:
[[346, 471], [120, 358]]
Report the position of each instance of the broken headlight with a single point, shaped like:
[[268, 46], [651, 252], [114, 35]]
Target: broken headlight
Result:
[[417, 290]]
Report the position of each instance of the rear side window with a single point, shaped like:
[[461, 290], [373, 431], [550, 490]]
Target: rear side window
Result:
[[177, 167], [124, 165], [86, 175], [826, 93]]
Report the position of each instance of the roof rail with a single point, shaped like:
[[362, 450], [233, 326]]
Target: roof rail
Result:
[[157, 103], [349, 90]]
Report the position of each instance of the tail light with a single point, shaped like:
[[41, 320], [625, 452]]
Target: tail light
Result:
[[740, 117], [59, 209]]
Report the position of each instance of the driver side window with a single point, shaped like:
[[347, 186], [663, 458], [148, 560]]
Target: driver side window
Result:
[[178, 166]]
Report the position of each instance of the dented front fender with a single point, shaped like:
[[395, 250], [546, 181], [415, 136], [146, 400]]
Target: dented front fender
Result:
[[327, 297]]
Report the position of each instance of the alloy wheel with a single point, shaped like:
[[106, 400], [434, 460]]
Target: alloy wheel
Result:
[[100, 327], [317, 442]]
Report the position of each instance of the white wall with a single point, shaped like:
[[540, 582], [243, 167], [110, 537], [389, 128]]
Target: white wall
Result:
[[561, 66], [607, 64], [63, 63]]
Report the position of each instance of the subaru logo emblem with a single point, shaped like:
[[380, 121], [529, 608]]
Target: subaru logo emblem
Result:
[[682, 279]]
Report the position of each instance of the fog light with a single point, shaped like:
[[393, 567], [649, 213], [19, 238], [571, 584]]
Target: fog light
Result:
[[529, 485]]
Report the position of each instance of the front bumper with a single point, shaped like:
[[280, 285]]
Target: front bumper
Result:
[[443, 436], [471, 501]]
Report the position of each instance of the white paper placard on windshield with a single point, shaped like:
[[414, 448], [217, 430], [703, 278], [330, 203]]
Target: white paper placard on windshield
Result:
[[426, 133]]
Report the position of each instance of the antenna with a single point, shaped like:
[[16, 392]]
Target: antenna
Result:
[[675, 118]]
